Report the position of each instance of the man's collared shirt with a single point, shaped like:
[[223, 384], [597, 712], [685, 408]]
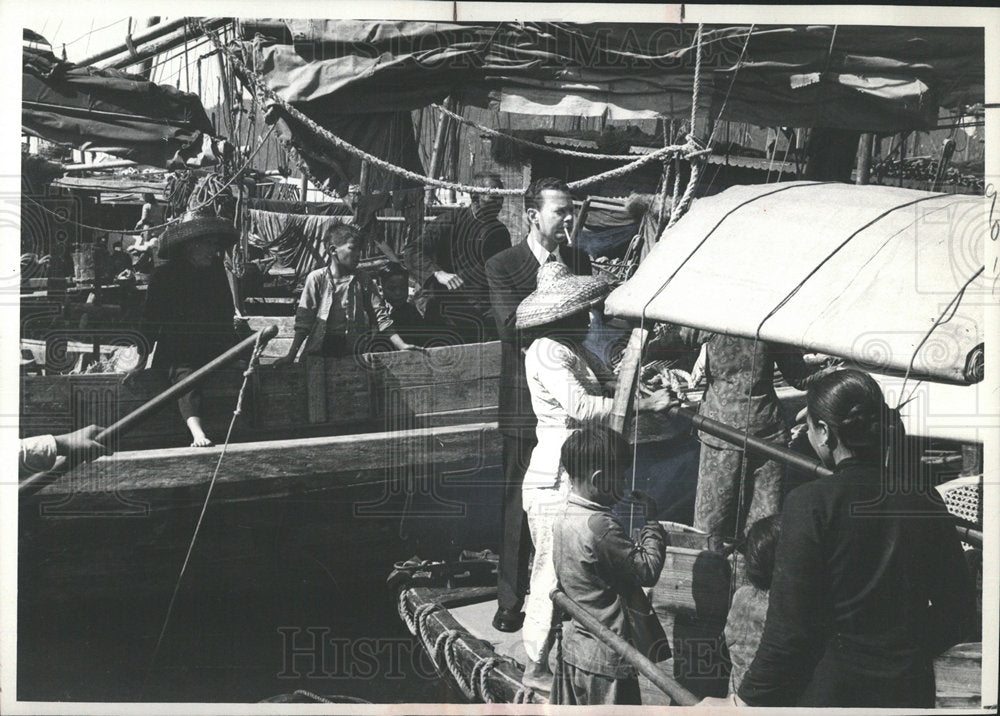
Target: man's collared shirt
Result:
[[540, 253]]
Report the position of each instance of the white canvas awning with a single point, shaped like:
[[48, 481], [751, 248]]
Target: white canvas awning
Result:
[[861, 272]]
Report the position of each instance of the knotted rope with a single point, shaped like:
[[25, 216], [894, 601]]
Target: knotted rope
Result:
[[261, 87]]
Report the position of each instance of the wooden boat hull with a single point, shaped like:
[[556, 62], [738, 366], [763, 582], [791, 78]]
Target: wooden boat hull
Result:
[[340, 501], [372, 393]]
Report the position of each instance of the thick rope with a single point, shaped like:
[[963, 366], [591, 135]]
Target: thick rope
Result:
[[386, 166], [420, 617], [467, 688], [404, 613], [439, 647], [680, 207], [523, 695], [311, 695], [254, 359], [697, 78], [673, 149], [480, 676]]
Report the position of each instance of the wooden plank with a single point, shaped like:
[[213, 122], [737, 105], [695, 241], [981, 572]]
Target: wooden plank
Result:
[[695, 582], [958, 675], [316, 388], [275, 466], [627, 375]]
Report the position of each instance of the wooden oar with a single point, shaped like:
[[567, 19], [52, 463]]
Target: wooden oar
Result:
[[39, 480]]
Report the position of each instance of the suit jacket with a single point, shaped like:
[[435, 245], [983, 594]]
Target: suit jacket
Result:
[[512, 274]]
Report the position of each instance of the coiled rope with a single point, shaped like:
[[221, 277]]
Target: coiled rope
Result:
[[480, 674]]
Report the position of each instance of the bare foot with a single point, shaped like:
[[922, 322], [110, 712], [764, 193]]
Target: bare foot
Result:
[[199, 438]]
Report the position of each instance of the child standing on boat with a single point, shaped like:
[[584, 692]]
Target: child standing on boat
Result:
[[340, 304], [603, 571], [745, 623], [566, 393]]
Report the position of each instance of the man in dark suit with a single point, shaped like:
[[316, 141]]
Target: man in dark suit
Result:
[[448, 260], [512, 276]]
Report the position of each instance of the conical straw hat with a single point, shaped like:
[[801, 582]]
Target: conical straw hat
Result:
[[560, 293]]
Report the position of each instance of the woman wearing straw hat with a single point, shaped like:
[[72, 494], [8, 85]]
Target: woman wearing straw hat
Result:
[[189, 307], [565, 393]]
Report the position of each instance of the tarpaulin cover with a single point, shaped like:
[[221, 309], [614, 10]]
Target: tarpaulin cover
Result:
[[856, 77], [110, 111], [861, 272]]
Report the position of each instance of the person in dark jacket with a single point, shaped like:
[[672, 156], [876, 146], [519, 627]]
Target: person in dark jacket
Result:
[[189, 308], [406, 318], [869, 580], [449, 261], [512, 275]]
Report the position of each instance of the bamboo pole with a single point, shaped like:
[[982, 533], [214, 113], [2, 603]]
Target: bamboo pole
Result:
[[436, 152], [153, 34], [170, 42], [865, 159], [633, 656]]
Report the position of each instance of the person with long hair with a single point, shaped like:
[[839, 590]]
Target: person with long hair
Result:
[[869, 579]]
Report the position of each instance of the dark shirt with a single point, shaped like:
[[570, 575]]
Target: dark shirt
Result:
[[598, 567], [739, 371], [459, 243], [862, 597], [409, 324], [189, 313], [513, 274]]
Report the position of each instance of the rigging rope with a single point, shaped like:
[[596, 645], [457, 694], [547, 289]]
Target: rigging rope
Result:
[[254, 360], [264, 90]]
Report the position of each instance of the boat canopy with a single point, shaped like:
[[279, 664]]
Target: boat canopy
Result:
[[852, 77], [114, 112], [861, 272]]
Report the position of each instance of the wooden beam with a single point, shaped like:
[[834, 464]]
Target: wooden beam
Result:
[[627, 376], [140, 39], [279, 466]]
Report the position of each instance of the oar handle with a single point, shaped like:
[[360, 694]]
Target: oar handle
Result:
[[36, 482]]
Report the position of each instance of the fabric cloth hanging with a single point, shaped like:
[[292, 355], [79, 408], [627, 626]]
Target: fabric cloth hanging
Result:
[[296, 238]]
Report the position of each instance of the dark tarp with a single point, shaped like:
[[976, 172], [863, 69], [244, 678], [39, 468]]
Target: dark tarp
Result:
[[850, 77], [113, 112]]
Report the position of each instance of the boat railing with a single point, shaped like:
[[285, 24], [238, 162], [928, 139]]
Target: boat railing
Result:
[[633, 656]]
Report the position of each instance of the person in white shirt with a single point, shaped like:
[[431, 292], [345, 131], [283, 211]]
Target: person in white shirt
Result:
[[566, 393]]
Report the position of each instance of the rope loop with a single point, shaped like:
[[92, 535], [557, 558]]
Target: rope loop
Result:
[[467, 688], [479, 676], [404, 613]]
